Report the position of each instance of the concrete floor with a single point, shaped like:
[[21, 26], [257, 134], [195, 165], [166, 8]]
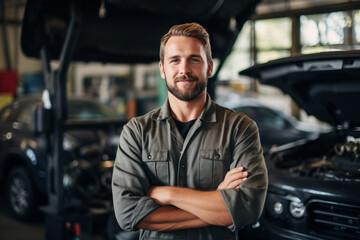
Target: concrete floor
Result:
[[11, 229]]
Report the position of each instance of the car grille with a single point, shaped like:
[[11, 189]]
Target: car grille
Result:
[[340, 221]]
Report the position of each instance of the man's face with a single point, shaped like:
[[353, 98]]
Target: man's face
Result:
[[185, 67]]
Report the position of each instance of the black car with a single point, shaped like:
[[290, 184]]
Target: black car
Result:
[[89, 142], [275, 127], [110, 32], [314, 185]]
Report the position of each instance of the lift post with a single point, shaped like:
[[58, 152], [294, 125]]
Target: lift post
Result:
[[55, 93]]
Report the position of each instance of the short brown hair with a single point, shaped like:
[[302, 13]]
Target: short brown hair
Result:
[[194, 30]]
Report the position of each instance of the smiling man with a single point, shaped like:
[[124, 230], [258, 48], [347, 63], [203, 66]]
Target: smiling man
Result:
[[190, 169]]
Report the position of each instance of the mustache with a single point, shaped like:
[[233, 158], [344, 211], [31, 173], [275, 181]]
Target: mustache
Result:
[[186, 77]]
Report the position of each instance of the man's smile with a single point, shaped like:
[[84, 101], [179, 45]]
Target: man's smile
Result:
[[185, 79]]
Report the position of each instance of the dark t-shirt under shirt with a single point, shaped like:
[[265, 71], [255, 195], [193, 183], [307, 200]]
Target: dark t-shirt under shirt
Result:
[[184, 127]]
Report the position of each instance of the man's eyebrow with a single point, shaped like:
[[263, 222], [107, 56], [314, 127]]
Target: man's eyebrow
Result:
[[192, 55], [174, 56], [195, 55]]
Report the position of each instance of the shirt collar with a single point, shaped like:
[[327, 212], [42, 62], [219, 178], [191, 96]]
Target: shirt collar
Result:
[[208, 114]]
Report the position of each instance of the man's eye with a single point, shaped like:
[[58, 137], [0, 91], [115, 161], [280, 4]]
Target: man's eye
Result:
[[174, 60], [194, 60]]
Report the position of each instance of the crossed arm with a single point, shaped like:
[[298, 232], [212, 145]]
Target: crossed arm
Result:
[[184, 208]]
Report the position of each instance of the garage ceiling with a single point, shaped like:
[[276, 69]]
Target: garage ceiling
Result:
[[138, 41], [128, 31]]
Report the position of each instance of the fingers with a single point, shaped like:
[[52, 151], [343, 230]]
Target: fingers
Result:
[[235, 174], [235, 171], [234, 178], [236, 183]]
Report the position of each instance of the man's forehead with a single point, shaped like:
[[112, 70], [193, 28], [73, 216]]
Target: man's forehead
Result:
[[184, 43], [173, 39]]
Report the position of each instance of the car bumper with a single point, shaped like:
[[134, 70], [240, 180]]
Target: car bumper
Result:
[[274, 232]]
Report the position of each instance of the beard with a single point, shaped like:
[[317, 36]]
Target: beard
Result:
[[190, 93]]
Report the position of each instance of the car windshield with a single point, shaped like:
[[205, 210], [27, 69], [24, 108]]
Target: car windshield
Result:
[[88, 110], [263, 116]]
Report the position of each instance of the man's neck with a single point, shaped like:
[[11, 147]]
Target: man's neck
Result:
[[185, 111]]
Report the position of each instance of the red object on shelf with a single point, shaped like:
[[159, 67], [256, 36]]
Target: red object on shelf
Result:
[[8, 81]]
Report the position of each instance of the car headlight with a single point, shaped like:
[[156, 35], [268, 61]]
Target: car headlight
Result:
[[278, 208], [297, 208], [283, 206]]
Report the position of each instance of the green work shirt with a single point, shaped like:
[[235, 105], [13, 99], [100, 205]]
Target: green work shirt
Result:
[[152, 152]]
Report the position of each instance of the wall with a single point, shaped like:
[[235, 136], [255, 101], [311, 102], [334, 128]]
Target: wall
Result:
[[14, 11]]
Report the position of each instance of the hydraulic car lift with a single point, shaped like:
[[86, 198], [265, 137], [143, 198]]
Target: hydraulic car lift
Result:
[[54, 100], [88, 36]]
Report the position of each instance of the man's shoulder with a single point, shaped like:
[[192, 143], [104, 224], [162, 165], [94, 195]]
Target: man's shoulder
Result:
[[152, 115], [227, 114], [222, 110]]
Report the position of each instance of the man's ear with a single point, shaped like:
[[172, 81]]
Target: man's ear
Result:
[[210, 68], [162, 72]]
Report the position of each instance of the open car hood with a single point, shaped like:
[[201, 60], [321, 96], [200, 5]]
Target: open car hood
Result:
[[326, 85], [130, 31]]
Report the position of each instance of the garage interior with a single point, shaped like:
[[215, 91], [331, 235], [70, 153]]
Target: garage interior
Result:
[[131, 87]]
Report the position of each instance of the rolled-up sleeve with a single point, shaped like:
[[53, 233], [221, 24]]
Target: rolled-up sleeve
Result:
[[245, 204], [129, 182]]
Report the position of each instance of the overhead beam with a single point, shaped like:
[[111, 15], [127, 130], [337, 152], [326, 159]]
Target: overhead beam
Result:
[[286, 12]]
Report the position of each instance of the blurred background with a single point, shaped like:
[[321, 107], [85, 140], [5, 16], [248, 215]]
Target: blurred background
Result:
[[276, 29], [279, 28]]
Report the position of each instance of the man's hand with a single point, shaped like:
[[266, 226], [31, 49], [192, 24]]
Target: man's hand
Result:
[[161, 195], [233, 178]]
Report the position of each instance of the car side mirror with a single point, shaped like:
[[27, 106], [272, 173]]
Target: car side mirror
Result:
[[40, 120]]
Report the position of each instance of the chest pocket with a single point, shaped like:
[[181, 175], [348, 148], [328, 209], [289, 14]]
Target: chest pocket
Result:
[[213, 166], [157, 166]]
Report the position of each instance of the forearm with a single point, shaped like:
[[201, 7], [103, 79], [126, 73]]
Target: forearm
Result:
[[206, 205], [168, 218]]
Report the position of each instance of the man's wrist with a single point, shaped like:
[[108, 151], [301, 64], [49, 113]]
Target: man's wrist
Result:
[[161, 194], [167, 194]]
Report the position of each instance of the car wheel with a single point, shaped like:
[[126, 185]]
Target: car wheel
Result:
[[21, 194]]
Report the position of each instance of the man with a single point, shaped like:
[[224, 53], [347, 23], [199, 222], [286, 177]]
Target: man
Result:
[[190, 169]]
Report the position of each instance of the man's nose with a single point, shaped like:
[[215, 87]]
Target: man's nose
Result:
[[184, 67]]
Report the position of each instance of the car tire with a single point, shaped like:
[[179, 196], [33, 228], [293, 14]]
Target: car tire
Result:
[[21, 195]]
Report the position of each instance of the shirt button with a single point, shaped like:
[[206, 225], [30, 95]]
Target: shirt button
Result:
[[183, 166], [149, 157]]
